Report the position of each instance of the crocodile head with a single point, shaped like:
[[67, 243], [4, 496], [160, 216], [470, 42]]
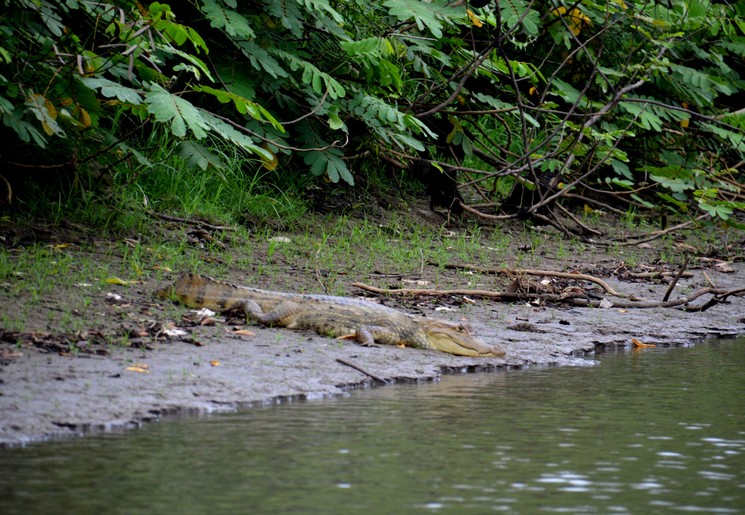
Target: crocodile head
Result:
[[457, 339]]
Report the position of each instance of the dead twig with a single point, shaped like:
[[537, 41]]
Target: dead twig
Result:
[[653, 275], [443, 293], [524, 271], [584, 227], [198, 223], [360, 369], [716, 299], [651, 236], [319, 278], [602, 205], [720, 296], [708, 279], [675, 280]]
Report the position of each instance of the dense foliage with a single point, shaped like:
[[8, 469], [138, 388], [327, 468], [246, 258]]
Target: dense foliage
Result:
[[638, 102]]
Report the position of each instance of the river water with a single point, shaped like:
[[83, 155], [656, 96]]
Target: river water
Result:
[[649, 431]]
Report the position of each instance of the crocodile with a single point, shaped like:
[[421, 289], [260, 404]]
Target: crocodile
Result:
[[352, 319]]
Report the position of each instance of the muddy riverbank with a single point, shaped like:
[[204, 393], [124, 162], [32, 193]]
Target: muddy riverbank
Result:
[[214, 368], [84, 345]]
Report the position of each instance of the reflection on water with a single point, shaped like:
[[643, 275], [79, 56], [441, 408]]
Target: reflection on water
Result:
[[647, 432]]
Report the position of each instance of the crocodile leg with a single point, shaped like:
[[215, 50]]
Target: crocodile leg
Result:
[[282, 315], [285, 313], [367, 335]]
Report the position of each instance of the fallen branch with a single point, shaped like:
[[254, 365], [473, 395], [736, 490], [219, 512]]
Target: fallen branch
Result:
[[444, 293], [360, 369], [675, 280], [653, 275], [716, 299], [198, 223], [486, 216], [587, 229], [547, 273], [719, 297], [651, 236], [318, 272], [708, 279], [602, 205], [575, 300]]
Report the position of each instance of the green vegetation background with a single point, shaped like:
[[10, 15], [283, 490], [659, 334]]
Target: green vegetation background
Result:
[[229, 109]]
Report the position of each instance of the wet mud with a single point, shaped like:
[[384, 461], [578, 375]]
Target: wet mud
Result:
[[46, 395]]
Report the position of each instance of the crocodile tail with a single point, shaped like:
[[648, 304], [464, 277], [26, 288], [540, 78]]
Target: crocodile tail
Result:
[[188, 289]]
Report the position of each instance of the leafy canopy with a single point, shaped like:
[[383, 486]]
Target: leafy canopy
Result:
[[637, 101]]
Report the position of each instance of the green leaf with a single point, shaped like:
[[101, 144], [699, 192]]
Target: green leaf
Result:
[[46, 113], [49, 16], [231, 134], [231, 22], [314, 6], [645, 203], [389, 75], [159, 12], [261, 60], [623, 183], [717, 210], [180, 34], [697, 9], [242, 105], [335, 122], [288, 14], [139, 156], [734, 138], [675, 178], [566, 91], [697, 86], [337, 169], [329, 163], [6, 106], [313, 76], [5, 55], [405, 141], [371, 48], [530, 119], [198, 67], [425, 14], [26, 131], [514, 12], [683, 206], [736, 47], [369, 108], [198, 156], [621, 168], [644, 115], [111, 89], [167, 107]]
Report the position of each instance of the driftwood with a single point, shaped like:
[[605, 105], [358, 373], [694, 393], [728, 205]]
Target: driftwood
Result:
[[653, 275], [720, 296], [362, 370], [675, 280], [469, 293], [546, 273], [650, 236], [572, 297], [198, 223]]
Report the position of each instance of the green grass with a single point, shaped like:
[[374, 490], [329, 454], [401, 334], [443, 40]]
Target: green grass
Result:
[[113, 234]]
